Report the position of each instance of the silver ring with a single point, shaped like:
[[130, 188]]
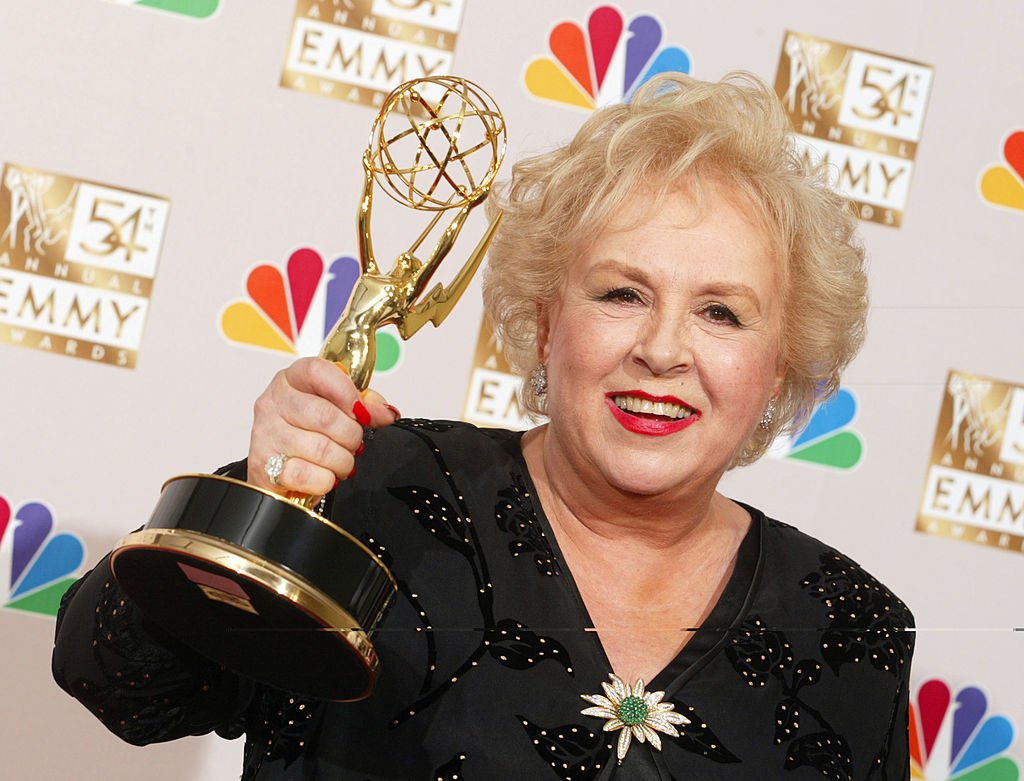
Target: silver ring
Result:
[[275, 467]]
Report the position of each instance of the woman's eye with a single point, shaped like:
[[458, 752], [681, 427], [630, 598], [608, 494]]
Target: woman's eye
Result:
[[720, 313], [626, 295]]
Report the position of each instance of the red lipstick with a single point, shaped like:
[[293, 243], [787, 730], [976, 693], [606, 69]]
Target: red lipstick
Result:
[[651, 426]]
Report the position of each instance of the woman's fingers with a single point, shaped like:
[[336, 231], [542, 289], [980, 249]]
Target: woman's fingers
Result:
[[308, 428], [383, 413], [286, 409], [330, 383], [327, 455], [295, 474]]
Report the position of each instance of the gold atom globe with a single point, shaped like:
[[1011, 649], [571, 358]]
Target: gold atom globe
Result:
[[437, 143]]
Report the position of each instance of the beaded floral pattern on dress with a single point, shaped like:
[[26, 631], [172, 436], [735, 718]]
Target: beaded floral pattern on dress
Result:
[[123, 649], [865, 624], [505, 640], [277, 730], [763, 656], [853, 598], [450, 770], [517, 517], [573, 751]]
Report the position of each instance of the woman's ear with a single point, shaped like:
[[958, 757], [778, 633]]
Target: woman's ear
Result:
[[781, 368], [543, 332]]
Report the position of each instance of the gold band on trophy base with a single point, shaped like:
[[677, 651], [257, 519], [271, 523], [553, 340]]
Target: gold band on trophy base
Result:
[[259, 582]]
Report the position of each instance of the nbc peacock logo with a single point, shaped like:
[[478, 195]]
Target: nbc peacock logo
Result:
[[828, 439], [1003, 185], [604, 61], [292, 311], [955, 738], [36, 565]]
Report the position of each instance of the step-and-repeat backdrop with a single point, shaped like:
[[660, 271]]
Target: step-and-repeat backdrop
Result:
[[177, 222]]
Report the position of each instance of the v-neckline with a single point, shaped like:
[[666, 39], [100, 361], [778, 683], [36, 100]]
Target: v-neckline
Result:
[[728, 611]]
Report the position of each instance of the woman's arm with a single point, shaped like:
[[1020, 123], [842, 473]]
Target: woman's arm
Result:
[[142, 684]]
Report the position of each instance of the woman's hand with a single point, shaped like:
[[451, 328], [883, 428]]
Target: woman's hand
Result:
[[312, 414]]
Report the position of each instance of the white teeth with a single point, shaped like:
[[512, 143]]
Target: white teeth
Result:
[[662, 408]]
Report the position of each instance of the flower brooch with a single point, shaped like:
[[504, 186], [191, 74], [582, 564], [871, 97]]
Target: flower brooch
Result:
[[637, 713]]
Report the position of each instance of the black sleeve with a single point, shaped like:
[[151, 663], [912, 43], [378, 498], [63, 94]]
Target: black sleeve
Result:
[[144, 686], [894, 758]]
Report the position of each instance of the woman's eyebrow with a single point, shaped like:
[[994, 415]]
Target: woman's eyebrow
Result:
[[730, 289], [631, 270]]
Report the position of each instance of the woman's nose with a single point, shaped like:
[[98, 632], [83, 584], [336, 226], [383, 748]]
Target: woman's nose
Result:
[[664, 344]]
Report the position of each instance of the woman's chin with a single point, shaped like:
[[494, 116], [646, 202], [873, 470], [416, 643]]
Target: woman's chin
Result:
[[646, 483]]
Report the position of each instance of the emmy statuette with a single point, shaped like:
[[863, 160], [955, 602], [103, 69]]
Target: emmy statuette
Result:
[[259, 582]]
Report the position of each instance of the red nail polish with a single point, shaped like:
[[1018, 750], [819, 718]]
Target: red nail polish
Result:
[[360, 449], [351, 474], [394, 411], [337, 482], [361, 414]]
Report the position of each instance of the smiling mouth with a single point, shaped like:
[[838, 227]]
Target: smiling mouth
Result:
[[653, 416], [649, 408]]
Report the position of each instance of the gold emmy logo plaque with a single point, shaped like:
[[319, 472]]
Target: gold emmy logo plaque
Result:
[[974, 490], [359, 50], [862, 113], [260, 582], [78, 261]]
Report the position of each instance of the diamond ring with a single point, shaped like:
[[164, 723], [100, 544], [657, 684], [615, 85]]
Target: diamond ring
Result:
[[275, 467]]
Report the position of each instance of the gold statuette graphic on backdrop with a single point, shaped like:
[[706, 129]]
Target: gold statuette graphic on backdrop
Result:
[[261, 583]]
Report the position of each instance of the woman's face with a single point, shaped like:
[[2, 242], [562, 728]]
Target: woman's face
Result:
[[663, 350]]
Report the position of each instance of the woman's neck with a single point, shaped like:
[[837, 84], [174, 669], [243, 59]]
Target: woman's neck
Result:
[[648, 569]]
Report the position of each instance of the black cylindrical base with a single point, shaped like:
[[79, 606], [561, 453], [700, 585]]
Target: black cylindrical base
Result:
[[259, 584]]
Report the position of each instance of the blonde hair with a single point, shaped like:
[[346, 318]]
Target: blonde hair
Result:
[[678, 130]]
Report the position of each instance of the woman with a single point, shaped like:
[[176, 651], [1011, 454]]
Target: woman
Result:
[[579, 602]]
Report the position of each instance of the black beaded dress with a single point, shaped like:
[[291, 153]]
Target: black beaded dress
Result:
[[800, 672]]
